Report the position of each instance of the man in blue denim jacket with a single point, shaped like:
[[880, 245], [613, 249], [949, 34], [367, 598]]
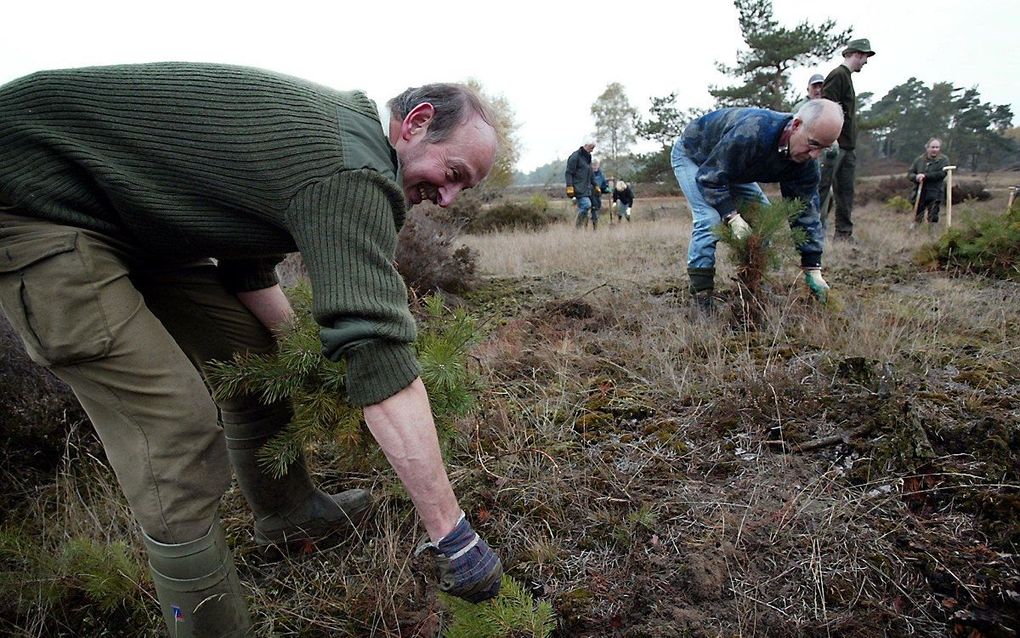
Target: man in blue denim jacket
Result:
[[718, 161]]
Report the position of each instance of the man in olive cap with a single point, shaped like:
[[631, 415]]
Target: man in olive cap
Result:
[[838, 165]]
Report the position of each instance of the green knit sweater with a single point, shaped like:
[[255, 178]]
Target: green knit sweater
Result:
[[190, 160]]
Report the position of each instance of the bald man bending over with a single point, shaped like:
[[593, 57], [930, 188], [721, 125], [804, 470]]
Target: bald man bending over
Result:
[[718, 161]]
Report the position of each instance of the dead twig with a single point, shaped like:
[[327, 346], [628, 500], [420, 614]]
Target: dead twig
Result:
[[842, 437]]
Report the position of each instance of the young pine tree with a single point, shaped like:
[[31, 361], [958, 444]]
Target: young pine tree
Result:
[[316, 389]]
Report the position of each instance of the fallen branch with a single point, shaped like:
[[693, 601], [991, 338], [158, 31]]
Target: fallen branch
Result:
[[842, 437]]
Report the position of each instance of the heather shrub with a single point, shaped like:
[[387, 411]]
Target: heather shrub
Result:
[[882, 190], [527, 215], [428, 257], [36, 408], [971, 189]]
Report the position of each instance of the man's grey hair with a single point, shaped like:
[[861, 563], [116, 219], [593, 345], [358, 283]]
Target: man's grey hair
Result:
[[934, 139], [454, 103], [814, 109]]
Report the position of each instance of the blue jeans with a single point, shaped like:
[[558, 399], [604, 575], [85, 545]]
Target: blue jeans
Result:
[[583, 208], [701, 251]]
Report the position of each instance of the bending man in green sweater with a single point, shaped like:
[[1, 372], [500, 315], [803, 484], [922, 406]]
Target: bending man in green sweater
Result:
[[143, 209]]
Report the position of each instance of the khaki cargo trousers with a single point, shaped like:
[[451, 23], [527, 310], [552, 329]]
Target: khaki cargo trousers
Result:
[[130, 339]]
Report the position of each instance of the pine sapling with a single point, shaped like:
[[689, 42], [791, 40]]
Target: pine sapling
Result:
[[512, 614], [759, 251], [316, 387]]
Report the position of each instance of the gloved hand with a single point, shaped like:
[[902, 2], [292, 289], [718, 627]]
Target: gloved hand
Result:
[[465, 564], [740, 228], [817, 285], [570, 192]]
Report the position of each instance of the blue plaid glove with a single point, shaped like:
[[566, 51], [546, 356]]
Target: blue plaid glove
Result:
[[466, 565]]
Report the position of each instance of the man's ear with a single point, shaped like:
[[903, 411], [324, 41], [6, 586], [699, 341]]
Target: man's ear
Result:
[[417, 121]]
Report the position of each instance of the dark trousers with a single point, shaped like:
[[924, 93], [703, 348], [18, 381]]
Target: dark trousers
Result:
[[932, 206], [837, 174]]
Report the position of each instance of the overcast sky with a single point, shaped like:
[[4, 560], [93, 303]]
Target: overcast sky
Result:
[[550, 59]]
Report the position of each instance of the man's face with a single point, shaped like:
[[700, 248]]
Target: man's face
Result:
[[857, 60], [808, 141], [934, 147], [438, 171], [589, 147], [814, 91]]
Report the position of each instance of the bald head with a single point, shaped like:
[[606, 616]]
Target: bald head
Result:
[[822, 117], [815, 127]]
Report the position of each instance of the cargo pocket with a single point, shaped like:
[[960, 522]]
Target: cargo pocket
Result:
[[47, 293]]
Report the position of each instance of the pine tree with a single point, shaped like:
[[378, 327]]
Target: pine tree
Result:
[[316, 386], [761, 250], [773, 50], [512, 614]]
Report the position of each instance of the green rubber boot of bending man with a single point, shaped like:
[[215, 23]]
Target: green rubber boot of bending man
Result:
[[290, 512], [197, 587]]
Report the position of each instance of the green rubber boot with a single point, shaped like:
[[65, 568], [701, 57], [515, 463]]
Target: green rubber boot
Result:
[[197, 587], [290, 512], [702, 287]]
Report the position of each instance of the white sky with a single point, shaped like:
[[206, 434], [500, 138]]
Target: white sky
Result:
[[550, 60]]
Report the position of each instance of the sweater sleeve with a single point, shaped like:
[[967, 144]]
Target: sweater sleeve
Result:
[[836, 88], [345, 229], [571, 170], [912, 173], [803, 187]]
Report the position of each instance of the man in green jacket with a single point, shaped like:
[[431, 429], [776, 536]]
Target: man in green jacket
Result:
[[838, 166], [142, 211], [927, 174]]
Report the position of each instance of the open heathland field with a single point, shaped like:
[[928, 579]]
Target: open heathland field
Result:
[[648, 470]]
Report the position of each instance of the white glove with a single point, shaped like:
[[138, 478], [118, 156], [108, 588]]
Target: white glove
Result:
[[738, 226], [817, 285]]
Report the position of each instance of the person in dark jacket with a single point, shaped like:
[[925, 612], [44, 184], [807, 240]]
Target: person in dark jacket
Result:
[[580, 180], [838, 165], [600, 186], [623, 199], [718, 161], [927, 174], [142, 211]]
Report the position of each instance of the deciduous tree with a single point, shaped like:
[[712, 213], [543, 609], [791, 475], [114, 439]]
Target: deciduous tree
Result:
[[502, 173], [614, 121]]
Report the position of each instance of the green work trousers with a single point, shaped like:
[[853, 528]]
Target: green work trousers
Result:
[[837, 172], [130, 337]]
